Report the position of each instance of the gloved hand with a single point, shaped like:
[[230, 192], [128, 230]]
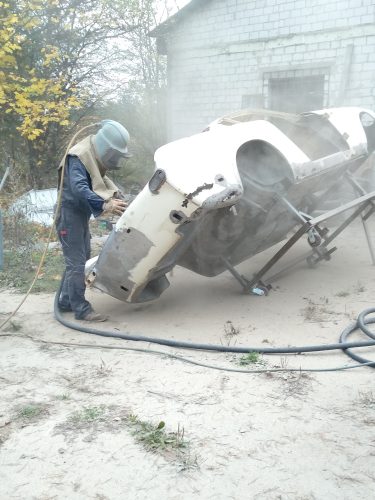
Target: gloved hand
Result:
[[119, 195], [114, 207]]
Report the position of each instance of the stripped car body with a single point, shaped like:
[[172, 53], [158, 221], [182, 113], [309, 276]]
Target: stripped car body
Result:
[[227, 194]]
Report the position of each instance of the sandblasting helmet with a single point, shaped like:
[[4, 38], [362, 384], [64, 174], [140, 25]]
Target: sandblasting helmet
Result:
[[111, 144]]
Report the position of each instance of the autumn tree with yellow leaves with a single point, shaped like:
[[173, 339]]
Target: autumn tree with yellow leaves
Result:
[[29, 90], [32, 95], [56, 60]]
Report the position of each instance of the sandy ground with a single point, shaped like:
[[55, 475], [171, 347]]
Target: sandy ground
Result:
[[275, 436]]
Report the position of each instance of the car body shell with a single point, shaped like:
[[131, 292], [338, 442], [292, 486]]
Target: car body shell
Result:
[[220, 195]]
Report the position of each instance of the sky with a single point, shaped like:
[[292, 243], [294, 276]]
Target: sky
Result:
[[172, 6], [178, 4]]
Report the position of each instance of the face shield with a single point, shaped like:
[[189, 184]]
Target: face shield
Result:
[[111, 159]]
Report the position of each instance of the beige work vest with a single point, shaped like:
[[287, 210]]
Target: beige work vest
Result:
[[101, 184]]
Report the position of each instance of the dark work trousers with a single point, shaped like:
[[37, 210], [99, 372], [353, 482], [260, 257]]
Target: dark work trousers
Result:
[[73, 231]]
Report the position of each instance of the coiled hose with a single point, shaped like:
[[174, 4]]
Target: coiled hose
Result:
[[361, 323]]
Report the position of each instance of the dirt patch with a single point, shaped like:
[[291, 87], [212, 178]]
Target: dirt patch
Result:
[[296, 384], [92, 420], [22, 415]]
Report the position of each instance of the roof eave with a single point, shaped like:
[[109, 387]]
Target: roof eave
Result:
[[163, 28]]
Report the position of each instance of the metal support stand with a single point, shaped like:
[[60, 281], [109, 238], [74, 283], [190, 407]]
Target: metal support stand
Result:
[[313, 234], [357, 187], [260, 289], [369, 242], [310, 225]]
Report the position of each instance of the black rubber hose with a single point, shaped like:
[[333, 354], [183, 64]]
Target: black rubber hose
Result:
[[361, 324], [362, 321], [342, 345]]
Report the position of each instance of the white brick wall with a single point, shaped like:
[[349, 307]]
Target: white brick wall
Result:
[[221, 51]]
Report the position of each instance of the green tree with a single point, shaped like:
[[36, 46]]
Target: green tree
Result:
[[56, 61]]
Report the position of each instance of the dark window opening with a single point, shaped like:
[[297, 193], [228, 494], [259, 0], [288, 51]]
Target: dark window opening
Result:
[[296, 94], [296, 91]]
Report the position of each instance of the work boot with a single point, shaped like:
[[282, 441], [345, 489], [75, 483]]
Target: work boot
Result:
[[94, 316], [65, 309]]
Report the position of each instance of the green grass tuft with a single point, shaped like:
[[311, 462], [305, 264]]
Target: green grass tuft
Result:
[[19, 273], [29, 411], [88, 414], [251, 358], [154, 437]]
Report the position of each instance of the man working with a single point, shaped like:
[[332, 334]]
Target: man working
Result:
[[87, 190]]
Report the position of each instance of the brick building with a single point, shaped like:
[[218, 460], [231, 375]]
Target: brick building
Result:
[[289, 55]]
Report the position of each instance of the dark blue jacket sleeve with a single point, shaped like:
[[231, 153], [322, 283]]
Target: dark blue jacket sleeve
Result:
[[81, 187]]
